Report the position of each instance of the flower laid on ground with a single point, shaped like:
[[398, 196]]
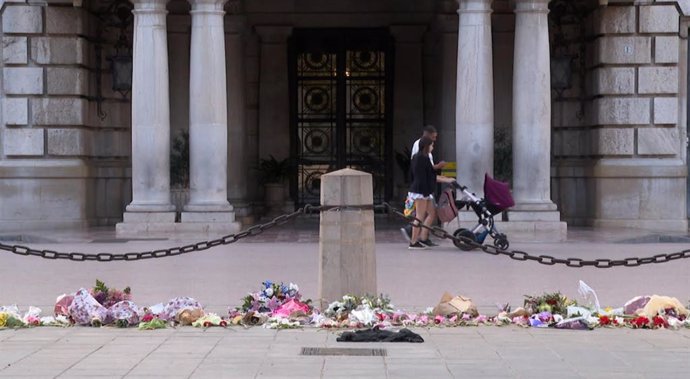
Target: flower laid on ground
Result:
[[279, 322], [210, 319], [279, 306], [107, 297], [154, 323], [554, 303], [275, 297]]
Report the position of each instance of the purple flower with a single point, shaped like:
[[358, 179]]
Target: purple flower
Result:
[[273, 304]]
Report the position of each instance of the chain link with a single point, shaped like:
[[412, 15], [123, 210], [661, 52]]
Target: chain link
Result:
[[544, 259], [161, 253]]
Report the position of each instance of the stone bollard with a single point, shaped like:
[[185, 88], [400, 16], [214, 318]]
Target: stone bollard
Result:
[[347, 255]]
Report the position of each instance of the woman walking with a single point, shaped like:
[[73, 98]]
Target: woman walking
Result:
[[421, 191]]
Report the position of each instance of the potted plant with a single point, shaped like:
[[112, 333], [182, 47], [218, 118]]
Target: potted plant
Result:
[[272, 174]]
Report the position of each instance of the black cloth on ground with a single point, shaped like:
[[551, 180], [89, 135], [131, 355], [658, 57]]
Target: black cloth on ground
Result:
[[377, 335]]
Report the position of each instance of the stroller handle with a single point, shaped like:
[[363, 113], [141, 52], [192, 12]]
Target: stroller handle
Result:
[[458, 185]]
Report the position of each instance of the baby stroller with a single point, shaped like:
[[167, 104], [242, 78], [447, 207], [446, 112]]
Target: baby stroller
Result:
[[497, 198]]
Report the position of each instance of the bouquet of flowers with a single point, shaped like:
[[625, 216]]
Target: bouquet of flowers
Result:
[[107, 297], [362, 309], [271, 297], [554, 303]]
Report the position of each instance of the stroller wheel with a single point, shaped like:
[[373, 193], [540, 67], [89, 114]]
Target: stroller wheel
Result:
[[501, 243], [466, 234]]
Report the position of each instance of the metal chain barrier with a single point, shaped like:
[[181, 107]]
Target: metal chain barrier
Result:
[[161, 253], [519, 255], [255, 230]]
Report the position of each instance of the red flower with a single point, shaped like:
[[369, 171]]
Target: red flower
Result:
[[147, 317], [207, 324], [640, 322], [604, 320], [223, 323], [659, 322]]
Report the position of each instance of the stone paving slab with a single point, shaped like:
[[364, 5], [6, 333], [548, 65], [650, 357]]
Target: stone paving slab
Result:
[[241, 353]]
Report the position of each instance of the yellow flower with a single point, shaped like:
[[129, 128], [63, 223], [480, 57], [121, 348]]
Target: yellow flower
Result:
[[3, 319]]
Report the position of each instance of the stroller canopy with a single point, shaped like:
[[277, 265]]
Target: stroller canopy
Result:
[[497, 195]]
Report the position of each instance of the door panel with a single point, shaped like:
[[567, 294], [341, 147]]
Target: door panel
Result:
[[340, 101]]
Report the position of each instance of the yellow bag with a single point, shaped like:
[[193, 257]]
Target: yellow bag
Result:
[[409, 207]]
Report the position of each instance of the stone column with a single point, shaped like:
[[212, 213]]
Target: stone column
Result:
[[208, 118], [347, 250], [532, 116], [150, 118], [474, 112]]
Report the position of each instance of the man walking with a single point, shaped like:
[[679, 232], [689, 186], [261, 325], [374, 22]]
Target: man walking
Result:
[[431, 133]]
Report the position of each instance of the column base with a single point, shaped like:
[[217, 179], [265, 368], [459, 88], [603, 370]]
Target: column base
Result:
[[175, 229], [532, 222], [534, 231], [212, 222], [150, 208], [144, 223]]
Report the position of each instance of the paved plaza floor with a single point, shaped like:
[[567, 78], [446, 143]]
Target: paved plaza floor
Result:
[[220, 277]]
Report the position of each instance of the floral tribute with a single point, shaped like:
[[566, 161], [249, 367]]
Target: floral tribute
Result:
[[280, 306], [275, 305], [108, 297]]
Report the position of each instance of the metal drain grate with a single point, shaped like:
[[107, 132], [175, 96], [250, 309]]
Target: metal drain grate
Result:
[[343, 351]]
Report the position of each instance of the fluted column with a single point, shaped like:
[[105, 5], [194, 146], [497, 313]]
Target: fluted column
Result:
[[150, 110], [208, 146], [532, 109], [474, 111]]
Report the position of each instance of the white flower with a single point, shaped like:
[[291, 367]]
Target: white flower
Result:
[[268, 292], [365, 316], [293, 287]]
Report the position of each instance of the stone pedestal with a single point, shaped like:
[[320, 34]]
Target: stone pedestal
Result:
[[347, 256]]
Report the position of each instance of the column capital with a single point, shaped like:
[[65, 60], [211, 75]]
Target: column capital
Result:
[[213, 6], [474, 6], [532, 6], [149, 6]]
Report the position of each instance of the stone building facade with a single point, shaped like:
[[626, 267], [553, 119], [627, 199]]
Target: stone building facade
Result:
[[581, 105]]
